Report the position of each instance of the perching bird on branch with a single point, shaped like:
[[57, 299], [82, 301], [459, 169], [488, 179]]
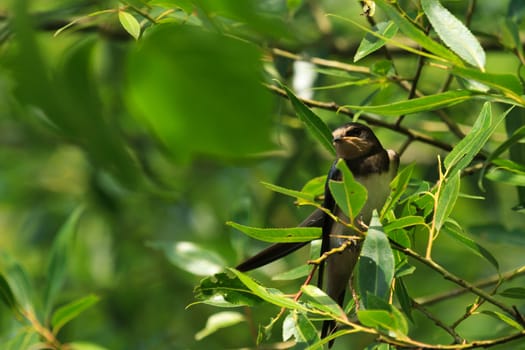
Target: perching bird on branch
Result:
[[372, 166]]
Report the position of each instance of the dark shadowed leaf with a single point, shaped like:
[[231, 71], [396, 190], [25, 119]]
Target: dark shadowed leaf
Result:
[[446, 200], [514, 293], [349, 194]]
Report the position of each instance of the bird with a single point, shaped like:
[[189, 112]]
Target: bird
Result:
[[372, 166]]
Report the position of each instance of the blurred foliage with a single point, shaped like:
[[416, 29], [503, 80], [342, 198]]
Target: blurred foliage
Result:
[[132, 131]]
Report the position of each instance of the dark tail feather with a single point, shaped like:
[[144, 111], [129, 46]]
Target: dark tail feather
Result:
[[268, 255]]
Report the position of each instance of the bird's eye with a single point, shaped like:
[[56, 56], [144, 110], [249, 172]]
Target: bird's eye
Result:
[[354, 132]]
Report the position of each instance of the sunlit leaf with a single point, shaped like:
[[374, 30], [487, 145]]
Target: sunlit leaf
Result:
[[320, 300], [225, 290], [349, 194], [191, 257], [398, 186], [129, 23], [218, 321], [371, 43], [507, 176], [85, 346], [272, 296], [376, 264], [71, 311], [454, 33], [300, 195], [292, 234], [421, 104], [446, 200], [298, 326], [383, 320], [416, 34], [465, 151], [293, 274], [403, 222], [502, 317], [313, 123]]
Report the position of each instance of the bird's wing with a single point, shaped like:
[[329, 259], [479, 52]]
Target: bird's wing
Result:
[[279, 250]]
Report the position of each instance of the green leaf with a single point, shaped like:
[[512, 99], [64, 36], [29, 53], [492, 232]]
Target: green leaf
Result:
[[515, 137], [18, 281], [376, 264], [129, 23], [293, 274], [349, 194], [372, 43], [509, 84], [59, 257], [398, 187], [507, 176], [191, 257], [404, 299], [70, 311], [465, 151], [300, 195], [186, 86], [313, 123], [403, 222], [85, 346], [320, 300], [513, 122], [6, 294], [292, 234], [218, 321], [413, 32], [502, 317], [225, 290], [298, 326], [454, 33], [385, 321], [447, 199], [513, 293], [421, 104], [272, 296], [454, 231]]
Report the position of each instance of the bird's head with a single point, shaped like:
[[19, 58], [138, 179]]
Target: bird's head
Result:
[[354, 140]]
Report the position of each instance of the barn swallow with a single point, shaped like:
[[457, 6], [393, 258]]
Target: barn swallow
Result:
[[372, 166]]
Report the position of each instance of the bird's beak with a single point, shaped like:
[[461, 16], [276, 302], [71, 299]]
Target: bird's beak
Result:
[[348, 147]]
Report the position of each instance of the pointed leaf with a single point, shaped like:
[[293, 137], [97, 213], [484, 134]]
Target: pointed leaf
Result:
[[320, 300], [313, 123], [224, 290], [129, 23], [376, 264], [292, 234], [297, 325], [502, 317], [454, 231], [272, 296], [218, 321], [85, 346], [58, 261], [191, 257], [421, 104], [6, 294], [403, 222], [349, 195], [465, 151], [372, 43], [514, 293], [416, 34], [454, 33], [293, 274], [447, 199], [300, 195], [398, 186], [70, 311]]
